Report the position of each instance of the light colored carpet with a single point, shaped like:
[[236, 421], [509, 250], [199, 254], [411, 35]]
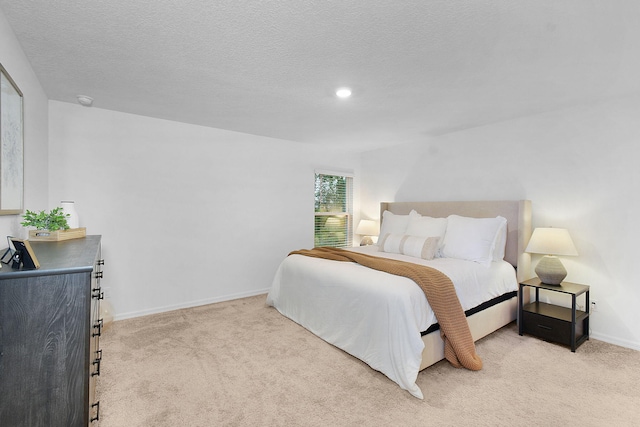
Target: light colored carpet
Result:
[[241, 363]]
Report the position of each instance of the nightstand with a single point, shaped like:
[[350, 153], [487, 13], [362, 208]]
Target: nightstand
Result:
[[550, 322]]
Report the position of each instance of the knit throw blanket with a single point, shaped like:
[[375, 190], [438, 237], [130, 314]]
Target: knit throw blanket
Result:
[[459, 348]]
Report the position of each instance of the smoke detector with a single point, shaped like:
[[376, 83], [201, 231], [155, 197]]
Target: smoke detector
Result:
[[85, 101]]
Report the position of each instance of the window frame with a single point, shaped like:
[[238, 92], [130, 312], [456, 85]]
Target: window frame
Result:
[[347, 213]]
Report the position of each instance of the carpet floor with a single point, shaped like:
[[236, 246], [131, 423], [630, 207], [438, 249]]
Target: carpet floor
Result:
[[241, 363]]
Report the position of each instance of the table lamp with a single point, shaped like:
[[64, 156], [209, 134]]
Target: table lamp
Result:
[[367, 228], [551, 242]]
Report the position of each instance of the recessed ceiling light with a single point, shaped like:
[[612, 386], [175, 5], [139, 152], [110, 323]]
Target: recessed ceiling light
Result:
[[343, 92]]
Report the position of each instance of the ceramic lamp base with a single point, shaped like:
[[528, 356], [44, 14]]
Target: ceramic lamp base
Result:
[[366, 241], [550, 270]]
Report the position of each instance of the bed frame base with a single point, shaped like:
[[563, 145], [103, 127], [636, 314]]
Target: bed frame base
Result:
[[481, 324]]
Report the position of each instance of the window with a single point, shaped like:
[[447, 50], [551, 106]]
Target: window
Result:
[[333, 210]]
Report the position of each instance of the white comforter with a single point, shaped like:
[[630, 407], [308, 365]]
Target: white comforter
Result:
[[375, 316]]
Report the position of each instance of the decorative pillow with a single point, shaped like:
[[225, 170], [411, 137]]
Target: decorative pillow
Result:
[[392, 243], [414, 246], [421, 247], [473, 239], [392, 224]]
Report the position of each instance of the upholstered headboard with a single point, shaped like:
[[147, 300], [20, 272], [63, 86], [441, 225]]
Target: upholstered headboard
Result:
[[517, 213]]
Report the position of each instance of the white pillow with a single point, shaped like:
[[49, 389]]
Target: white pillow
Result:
[[426, 226], [500, 243], [414, 246], [392, 224], [472, 239]]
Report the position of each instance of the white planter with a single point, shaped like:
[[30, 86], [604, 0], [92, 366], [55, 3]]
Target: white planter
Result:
[[69, 208]]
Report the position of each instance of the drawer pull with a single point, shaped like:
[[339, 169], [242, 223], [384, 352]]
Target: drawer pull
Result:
[[96, 363], [545, 327], [100, 262], [97, 406], [97, 294], [98, 275], [98, 326]]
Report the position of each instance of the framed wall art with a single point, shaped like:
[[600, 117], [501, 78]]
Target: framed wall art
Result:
[[11, 146]]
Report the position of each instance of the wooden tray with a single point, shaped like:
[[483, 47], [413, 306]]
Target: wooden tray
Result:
[[55, 236]]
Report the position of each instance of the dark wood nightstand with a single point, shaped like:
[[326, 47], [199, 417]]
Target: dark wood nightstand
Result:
[[550, 322]]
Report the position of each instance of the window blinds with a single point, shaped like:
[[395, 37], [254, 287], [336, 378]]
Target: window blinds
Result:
[[333, 210]]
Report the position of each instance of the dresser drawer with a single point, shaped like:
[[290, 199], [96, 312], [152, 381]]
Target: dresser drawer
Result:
[[547, 328]]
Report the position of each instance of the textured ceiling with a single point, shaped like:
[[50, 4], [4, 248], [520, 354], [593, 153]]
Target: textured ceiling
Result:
[[418, 68]]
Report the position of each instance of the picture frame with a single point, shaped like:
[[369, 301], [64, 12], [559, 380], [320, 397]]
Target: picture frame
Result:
[[11, 146], [24, 257], [7, 255]]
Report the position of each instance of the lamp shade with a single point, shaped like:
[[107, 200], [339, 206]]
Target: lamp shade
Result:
[[367, 227], [551, 241]]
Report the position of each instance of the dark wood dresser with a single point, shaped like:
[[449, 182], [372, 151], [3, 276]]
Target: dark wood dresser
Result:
[[49, 336]]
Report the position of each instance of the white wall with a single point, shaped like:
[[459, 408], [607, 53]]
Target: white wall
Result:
[[189, 215], [579, 167], [35, 130]]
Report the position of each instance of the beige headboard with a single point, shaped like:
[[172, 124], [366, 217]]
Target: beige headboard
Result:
[[517, 213]]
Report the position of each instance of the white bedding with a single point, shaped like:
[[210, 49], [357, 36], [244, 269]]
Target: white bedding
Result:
[[375, 316]]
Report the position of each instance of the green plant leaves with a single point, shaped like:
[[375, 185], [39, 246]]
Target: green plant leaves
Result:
[[52, 221]]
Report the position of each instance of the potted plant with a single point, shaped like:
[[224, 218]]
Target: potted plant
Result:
[[52, 221], [50, 226]]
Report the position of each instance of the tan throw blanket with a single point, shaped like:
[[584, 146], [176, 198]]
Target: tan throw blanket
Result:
[[459, 348]]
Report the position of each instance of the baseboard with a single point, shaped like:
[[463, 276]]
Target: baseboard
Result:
[[615, 341], [132, 314]]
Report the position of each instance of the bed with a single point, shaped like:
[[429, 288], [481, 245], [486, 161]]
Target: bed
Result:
[[384, 319]]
